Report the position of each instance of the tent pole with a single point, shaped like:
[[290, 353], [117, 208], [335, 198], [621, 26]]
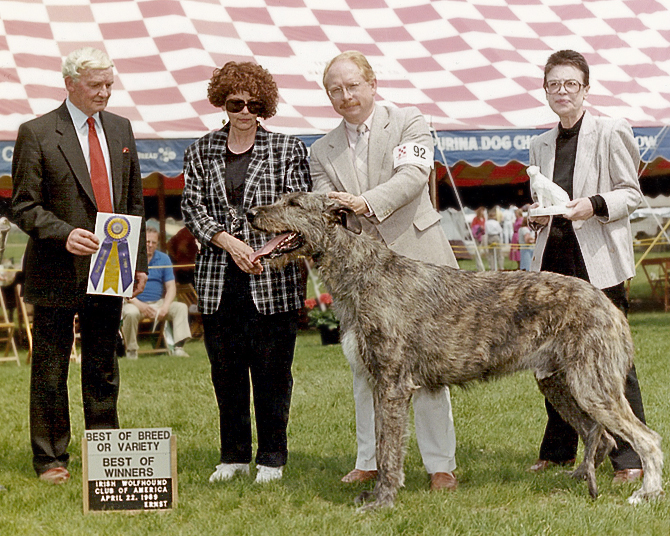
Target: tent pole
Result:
[[478, 257]]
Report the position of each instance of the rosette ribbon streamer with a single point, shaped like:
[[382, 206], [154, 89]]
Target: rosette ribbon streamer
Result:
[[114, 256]]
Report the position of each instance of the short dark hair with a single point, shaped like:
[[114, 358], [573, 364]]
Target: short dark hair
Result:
[[567, 57], [236, 77]]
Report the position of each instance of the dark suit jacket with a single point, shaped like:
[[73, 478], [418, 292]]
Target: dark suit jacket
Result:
[[52, 195]]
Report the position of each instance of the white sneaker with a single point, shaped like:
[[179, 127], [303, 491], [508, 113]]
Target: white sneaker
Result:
[[268, 474], [226, 471], [180, 352]]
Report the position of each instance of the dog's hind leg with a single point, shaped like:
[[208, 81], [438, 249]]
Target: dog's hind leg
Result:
[[597, 442], [391, 414], [620, 419]]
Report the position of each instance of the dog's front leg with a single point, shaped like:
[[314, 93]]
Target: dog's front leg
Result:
[[391, 413]]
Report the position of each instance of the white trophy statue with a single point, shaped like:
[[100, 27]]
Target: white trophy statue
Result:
[[551, 197]]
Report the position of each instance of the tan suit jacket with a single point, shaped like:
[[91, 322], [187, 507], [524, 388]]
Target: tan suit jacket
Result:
[[607, 163], [404, 217]]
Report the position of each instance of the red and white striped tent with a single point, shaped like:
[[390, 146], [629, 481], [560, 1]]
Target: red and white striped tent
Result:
[[473, 67]]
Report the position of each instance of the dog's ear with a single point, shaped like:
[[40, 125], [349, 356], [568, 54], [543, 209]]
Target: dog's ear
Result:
[[346, 218]]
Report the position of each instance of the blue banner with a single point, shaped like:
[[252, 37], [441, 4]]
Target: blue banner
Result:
[[471, 146]]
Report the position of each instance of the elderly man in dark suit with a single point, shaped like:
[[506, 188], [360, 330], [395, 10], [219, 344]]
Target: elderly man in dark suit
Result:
[[68, 165]]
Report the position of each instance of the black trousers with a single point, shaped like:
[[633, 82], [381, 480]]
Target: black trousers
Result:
[[99, 319], [563, 255], [240, 341]]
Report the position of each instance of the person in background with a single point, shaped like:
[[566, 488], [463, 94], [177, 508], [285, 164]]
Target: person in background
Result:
[[595, 160], [157, 302], [509, 218], [69, 164], [250, 315], [514, 251], [493, 241], [478, 224], [354, 164], [526, 243]]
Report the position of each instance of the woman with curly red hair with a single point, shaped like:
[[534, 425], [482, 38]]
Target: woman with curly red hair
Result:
[[250, 315]]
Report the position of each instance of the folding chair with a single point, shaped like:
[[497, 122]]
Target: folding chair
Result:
[[7, 334], [186, 294], [145, 327], [26, 327]]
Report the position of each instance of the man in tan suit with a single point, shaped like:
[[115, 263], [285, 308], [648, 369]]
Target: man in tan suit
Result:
[[377, 162]]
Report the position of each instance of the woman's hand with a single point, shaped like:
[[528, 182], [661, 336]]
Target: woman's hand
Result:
[[538, 221], [579, 209], [239, 251]]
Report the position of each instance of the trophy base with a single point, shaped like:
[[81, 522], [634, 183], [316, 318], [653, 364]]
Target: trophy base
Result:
[[557, 210]]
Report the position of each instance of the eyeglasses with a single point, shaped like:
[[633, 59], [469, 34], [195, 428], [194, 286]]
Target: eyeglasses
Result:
[[571, 86], [336, 93], [237, 105]]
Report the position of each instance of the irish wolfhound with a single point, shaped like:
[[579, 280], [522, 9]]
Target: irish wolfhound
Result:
[[418, 325]]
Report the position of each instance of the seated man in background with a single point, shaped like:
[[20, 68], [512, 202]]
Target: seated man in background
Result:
[[152, 303]]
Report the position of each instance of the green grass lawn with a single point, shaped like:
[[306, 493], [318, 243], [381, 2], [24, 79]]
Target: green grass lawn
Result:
[[499, 426]]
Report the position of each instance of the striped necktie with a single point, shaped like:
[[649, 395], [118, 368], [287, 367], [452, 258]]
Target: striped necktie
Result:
[[99, 178], [361, 157]]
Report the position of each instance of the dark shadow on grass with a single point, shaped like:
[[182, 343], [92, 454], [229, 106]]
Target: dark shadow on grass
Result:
[[482, 466]]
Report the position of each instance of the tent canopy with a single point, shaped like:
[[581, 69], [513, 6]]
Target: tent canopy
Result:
[[474, 68]]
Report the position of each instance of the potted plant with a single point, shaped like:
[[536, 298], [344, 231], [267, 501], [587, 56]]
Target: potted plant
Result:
[[322, 317]]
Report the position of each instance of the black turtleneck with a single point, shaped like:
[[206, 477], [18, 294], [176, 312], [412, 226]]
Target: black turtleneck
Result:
[[564, 169], [566, 153]]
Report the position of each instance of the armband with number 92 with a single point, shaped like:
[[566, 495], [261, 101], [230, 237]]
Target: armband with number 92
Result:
[[412, 153]]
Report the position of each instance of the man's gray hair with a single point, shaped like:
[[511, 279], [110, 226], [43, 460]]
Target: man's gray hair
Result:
[[82, 59]]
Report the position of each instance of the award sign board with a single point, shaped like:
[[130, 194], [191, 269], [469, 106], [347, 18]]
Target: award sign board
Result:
[[112, 270], [129, 470]]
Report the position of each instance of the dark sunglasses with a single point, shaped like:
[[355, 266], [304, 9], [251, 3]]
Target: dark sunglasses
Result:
[[237, 105]]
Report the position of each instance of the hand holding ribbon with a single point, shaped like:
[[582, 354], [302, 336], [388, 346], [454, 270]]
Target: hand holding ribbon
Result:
[[82, 242]]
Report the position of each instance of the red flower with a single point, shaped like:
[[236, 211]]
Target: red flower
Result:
[[310, 303], [326, 299]]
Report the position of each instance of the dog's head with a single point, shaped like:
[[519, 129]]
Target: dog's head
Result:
[[303, 223]]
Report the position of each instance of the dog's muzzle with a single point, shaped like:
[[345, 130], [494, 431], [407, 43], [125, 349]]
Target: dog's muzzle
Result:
[[280, 245]]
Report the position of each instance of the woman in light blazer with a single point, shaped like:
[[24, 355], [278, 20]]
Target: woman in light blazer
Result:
[[596, 161]]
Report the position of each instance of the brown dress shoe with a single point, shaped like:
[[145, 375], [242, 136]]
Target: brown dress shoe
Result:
[[440, 481], [627, 475], [542, 465], [358, 475], [55, 475]]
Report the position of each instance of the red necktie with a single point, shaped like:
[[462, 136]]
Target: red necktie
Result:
[[99, 178]]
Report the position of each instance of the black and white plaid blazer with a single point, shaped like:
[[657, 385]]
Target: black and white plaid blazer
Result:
[[278, 165]]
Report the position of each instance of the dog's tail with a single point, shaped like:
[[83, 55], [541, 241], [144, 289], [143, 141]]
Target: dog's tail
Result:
[[600, 392]]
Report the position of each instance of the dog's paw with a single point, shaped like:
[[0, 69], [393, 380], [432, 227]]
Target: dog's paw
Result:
[[581, 473], [641, 496], [373, 506], [363, 498]]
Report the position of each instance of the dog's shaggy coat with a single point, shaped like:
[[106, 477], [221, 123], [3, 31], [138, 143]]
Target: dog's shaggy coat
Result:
[[415, 324]]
